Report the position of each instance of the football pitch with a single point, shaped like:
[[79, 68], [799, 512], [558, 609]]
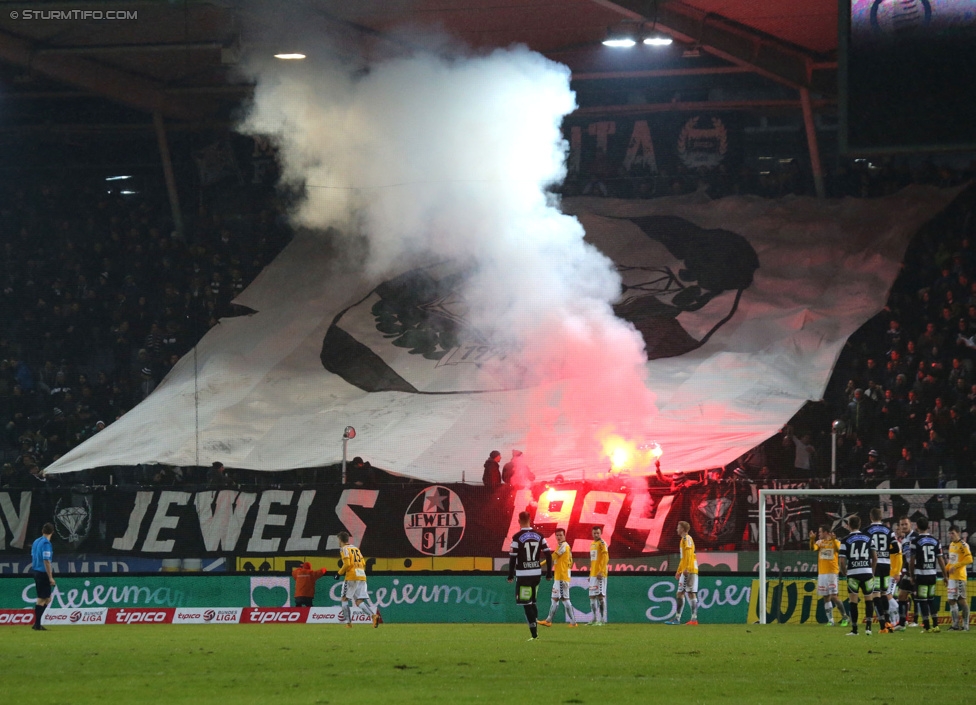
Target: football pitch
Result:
[[457, 663]]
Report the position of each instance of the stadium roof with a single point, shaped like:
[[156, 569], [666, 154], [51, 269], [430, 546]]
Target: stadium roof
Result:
[[180, 59]]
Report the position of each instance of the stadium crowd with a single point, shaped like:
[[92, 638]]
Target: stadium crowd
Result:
[[99, 298], [859, 178]]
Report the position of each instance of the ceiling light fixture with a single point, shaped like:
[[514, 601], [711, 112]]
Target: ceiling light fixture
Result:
[[289, 57], [622, 36], [658, 40]]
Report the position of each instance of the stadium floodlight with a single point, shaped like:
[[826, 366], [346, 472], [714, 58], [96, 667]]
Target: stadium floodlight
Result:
[[118, 178], [622, 36], [877, 492], [347, 434], [658, 40], [292, 56]]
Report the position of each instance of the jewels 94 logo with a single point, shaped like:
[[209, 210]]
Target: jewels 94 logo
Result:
[[434, 521]]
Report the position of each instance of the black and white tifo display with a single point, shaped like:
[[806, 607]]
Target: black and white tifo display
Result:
[[743, 305]]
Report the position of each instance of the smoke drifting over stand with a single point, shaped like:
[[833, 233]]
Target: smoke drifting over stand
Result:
[[447, 158]]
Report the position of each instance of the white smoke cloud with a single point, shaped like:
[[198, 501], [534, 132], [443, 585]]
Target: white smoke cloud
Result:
[[428, 156]]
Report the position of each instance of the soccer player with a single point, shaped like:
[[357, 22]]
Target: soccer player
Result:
[[858, 561], [906, 588], [828, 567], [883, 543], [959, 557], [687, 575], [525, 568], [897, 564], [41, 555], [927, 559], [353, 570], [560, 588], [599, 561]]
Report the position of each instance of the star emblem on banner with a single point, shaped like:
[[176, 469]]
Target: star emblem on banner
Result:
[[917, 502], [436, 501], [839, 518]]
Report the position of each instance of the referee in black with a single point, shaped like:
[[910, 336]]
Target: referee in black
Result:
[[41, 554], [525, 568]]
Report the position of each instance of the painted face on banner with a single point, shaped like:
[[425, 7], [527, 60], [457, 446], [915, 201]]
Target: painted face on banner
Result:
[[411, 333]]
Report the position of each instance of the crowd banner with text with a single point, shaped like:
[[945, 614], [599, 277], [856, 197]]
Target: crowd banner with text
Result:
[[414, 526]]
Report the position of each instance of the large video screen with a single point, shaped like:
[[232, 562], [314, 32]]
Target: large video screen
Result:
[[910, 74]]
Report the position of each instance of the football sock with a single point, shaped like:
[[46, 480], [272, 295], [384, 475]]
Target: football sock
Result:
[[570, 611], [893, 611], [829, 610], [595, 608], [347, 612], [364, 607], [923, 608], [531, 616], [603, 609], [38, 612], [854, 617], [965, 615], [881, 606], [954, 611], [902, 612], [694, 607], [552, 610], [681, 606]]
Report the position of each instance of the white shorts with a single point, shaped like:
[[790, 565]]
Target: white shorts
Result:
[[688, 583], [560, 590], [956, 589], [598, 586], [354, 590], [827, 584]]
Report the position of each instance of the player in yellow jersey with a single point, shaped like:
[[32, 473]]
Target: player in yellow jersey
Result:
[[353, 570], [687, 575], [828, 568], [959, 557], [599, 561], [560, 588], [897, 564]]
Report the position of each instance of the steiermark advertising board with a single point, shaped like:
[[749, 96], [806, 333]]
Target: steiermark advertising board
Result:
[[403, 598]]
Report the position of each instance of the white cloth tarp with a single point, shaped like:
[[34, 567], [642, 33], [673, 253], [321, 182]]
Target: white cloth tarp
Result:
[[256, 392]]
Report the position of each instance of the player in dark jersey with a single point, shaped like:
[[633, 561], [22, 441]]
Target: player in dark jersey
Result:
[[884, 543], [858, 561], [906, 588], [525, 556], [927, 561]]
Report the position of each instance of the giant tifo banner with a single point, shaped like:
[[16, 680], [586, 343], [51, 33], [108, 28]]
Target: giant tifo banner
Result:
[[743, 304], [423, 526]]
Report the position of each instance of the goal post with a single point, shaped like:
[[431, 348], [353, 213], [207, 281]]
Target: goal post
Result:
[[798, 492]]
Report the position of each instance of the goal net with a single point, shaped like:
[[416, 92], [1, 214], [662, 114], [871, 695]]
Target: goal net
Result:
[[792, 598]]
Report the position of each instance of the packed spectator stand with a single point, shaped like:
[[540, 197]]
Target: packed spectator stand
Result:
[[100, 297]]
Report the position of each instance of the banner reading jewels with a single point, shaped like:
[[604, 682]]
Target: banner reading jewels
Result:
[[401, 598], [417, 520]]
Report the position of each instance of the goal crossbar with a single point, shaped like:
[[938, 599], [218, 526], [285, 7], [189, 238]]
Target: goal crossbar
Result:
[[878, 492]]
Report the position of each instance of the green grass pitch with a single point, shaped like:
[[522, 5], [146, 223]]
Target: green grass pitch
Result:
[[460, 663]]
